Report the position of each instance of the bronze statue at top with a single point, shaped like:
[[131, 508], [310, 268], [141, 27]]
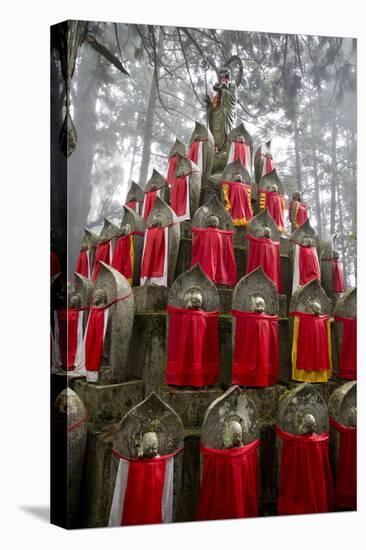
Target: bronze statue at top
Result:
[[221, 108]]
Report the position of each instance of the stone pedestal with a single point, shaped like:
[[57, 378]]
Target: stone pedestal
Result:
[[147, 357], [191, 405], [109, 403]]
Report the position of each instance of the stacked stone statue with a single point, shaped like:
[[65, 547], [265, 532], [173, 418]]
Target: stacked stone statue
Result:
[[205, 333]]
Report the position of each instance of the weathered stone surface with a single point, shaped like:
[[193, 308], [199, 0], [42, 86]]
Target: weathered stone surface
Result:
[[187, 168], [256, 283], [190, 405], [299, 401], [178, 148], [135, 223], [234, 168], [147, 357], [327, 251], [194, 278], [120, 320], [188, 502], [261, 220], [311, 291], [108, 403], [237, 133], [184, 256], [151, 415], [70, 433], [157, 182], [109, 231], [212, 208], [150, 298], [84, 288], [259, 159], [233, 405], [168, 220], [305, 231], [345, 307], [135, 194], [203, 134], [226, 348], [226, 298], [269, 180]]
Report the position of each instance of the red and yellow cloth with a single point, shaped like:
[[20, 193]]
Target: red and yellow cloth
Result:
[[301, 213], [276, 206], [237, 196]]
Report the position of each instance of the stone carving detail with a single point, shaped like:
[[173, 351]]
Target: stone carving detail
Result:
[[202, 149], [263, 161], [157, 182], [343, 404], [345, 332], [263, 225], [178, 149], [240, 135], [311, 298], [252, 285], [303, 411], [220, 428], [221, 108], [83, 287], [135, 197], [185, 168], [213, 207], [192, 280], [306, 231], [109, 231]]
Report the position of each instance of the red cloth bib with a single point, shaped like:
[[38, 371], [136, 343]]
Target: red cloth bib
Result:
[[348, 355], [193, 347], [178, 196], [338, 279], [68, 336], [265, 253], [144, 491], [193, 151], [309, 267], [256, 361], [312, 342], [270, 165], [173, 161], [154, 253], [94, 339], [237, 197], [275, 204], [102, 253], [132, 205], [301, 213], [346, 480], [82, 265], [306, 483], [213, 249], [229, 487], [123, 256], [241, 152], [149, 203]]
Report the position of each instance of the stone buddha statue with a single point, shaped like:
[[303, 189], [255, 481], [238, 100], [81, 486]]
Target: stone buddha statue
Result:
[[193, 299], [232, 435], [307, 424], [257, 304], [99, 298], [75, 301], [149, 445], [314, 306], [221, 108], [213, 221]]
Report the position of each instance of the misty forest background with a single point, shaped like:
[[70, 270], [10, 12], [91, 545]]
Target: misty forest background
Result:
[[298, 90]]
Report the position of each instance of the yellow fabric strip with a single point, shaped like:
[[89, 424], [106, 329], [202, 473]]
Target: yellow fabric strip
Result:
[[295, 217], [225, 189], [240, 223], [262, 203]]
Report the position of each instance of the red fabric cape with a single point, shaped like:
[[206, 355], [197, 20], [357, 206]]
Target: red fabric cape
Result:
[[346, 478], [238, 195], [94, 339], [82, 265], [68, 336], [240, 151], [132, 205], [144, 491], [178, 196], [308, 265], [229, 483], [306, 483], [302, 213], [193, 357], [173, 161], [122, 260], [256, 361], [101, 253], [270, 165], [213, 249], [154, 253], [265, 253], [312, 342], [348, 355], [338, 279], [274, 203], [55, 264], [150, 198], [193, 151]]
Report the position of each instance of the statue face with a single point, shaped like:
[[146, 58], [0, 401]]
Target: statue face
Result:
[[257, 304], [307, 424], [75, 301], [233, 436], [224, 76], [99, 298], [335, 255], [315, 307], [150, 445], [265, 232], [237, 177], [296, 196], [274, 188], [193, 299], [157, 221], [308, 242], [125, 229], [240, 139], [212, 221], [352, 416]]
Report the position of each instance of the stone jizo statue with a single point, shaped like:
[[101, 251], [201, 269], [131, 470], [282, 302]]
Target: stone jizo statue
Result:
[[149, 445], [232, 435], [99, 298]]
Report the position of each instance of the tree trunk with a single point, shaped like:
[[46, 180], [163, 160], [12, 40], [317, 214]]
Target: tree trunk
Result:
[[297, 154], [318, 210], [341, 231], [333, 179]]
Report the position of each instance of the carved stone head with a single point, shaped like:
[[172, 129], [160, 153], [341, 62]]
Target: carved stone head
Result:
[[238, 177], [274, 188], [149, 445], [257, 304], [232, 435], [193, 299], [296, 196], [100, 298], [307, 423], [265, 232], [212, 221], [314, 306], [224, 76], [308, 242], [157, 220], [75, 301], [125, 229]]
